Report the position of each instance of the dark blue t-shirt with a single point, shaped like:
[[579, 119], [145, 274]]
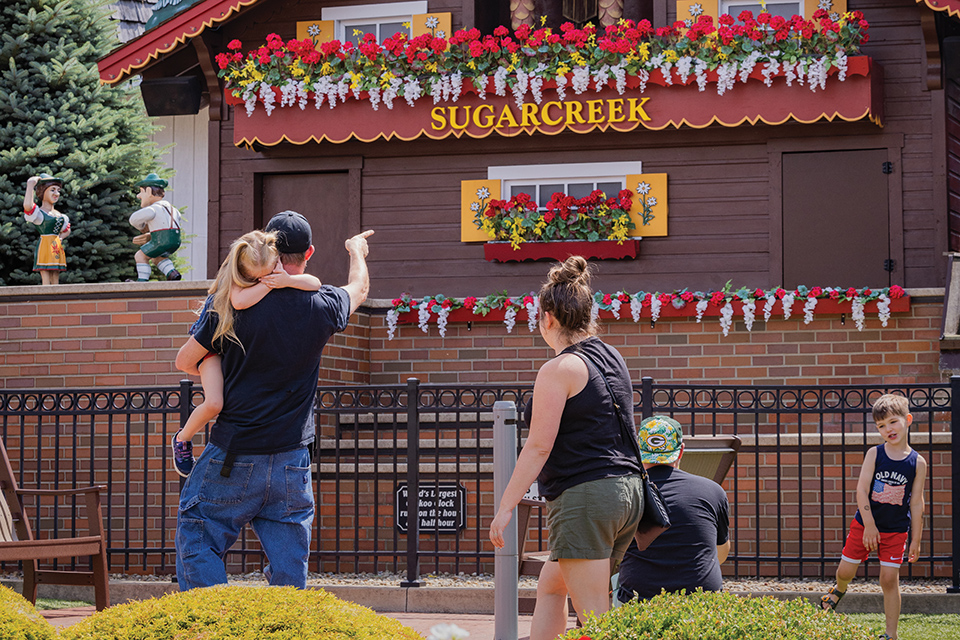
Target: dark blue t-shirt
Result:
[[890, 491], [270, 384], [685, 555]]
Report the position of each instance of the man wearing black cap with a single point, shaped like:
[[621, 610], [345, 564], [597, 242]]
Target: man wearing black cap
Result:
[[256, 466]]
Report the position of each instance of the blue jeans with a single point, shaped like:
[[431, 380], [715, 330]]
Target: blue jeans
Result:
[[274, 493]]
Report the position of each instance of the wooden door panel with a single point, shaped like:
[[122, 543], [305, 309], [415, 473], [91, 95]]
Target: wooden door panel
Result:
[[836, 223], [323, 199]]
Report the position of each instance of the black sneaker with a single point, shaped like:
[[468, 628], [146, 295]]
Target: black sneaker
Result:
[[182, 456], [173, 274]]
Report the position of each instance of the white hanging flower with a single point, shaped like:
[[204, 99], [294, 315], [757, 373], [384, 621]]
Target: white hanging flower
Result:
[[787, 302], [456, 85], [655, 306], [700, 69], [808, 306], [500, 81], [749, 312], [594, 312], [374, 94], [519, 88], [726, 318], [392, 317], [636, 306], [561, 84], [788, 72], [726, 77], [480, 84], [423, 315], [250, 100], [442, 315], [411, 89], [684, 68], [600, 77], [533, 311], [817, 73], [747, 65], [768, 306], [619, 72], [446, 631], [536, 83], [267, 95], [391, 91], [643, 76], [883, 309], [857, 312], [840, 62], [701, 307], [580, 80], [510, 318], [770, 69], [615, 307]]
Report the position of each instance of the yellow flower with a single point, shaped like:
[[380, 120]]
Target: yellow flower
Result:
[[256, 76], [472, 64], [563, 70], [721, 55], [431, 67], [326, 69], [487, 227], [644, 51], [670, 55], [540, 226], [543, 21], [296, 70]]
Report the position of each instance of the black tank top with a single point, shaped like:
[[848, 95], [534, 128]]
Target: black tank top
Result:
[[589, 445]]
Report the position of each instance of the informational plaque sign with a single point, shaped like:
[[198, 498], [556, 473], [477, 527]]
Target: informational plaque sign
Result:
[[443, 507]]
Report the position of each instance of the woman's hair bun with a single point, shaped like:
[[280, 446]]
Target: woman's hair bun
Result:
[[574, 270]]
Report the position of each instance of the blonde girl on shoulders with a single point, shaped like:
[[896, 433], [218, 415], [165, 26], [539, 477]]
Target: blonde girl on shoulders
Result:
[[251, 269]]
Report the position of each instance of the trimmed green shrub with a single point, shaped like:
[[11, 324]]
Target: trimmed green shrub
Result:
[[20, 621], [232, 612], [720, 616]]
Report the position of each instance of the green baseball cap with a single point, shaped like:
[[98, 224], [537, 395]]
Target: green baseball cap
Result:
[[660, 439], [152, 180]]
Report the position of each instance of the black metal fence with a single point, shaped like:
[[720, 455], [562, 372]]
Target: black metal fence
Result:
[[791, 489]]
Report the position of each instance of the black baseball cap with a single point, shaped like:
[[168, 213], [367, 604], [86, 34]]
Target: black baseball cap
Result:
[[293, 232]]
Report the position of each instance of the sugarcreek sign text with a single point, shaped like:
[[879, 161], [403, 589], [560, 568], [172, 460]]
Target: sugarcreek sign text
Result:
[[486, 116]]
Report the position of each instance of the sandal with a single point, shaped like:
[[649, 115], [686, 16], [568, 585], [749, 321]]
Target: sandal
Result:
[[828, 603], [884, 636]]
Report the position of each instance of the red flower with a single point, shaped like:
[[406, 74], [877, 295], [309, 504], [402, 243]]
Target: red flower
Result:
[[816, 292], [665, 298], [834, 294], [223, 60], [780, 293], [397, 302], [446, 303], [896, 291], [607, 299], [623, 297], [687, 296], [501, 31], [646, 300], [867, 292], [527, 300], [851, 292], [234, 45], [469, 302], [759, 293], [717, 298]]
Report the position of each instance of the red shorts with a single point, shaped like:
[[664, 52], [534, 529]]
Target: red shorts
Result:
[[890, 551]]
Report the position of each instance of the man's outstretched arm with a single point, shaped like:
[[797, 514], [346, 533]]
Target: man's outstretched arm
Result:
[[358, 285]]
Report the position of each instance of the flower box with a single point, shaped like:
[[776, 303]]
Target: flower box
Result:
[[561, 250], [824, 307]]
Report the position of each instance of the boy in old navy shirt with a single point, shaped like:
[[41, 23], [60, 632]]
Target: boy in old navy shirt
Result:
[[890, 501]]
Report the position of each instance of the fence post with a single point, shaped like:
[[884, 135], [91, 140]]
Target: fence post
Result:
[[646, 397], [413, 484], [186, 401], [955, 485], [506, 565]]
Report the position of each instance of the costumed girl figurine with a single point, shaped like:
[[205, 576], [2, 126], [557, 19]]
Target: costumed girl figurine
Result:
[[49, 258], [161, 221]]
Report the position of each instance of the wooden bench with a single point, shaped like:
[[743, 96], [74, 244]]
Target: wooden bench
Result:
[[18, 544], [707, 456]]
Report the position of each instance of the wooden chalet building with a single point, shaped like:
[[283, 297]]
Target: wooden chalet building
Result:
[[766, 184]]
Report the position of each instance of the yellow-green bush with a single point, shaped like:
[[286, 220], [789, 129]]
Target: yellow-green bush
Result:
[[234, 613], [20, 621], [720, 616]]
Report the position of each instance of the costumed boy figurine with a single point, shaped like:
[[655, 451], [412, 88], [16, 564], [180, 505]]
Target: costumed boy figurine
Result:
[[48, 256], [161, 221]]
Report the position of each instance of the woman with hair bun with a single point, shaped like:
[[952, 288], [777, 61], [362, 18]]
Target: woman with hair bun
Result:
[[589, 475]]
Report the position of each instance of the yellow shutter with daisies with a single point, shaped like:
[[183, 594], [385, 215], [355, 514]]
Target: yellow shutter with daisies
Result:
[[318, 30], [649, 210], [474, 196], [439, 24], [693, 9]]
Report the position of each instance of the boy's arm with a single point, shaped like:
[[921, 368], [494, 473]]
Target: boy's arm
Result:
[[871, 537], [916, 509], [246, 297]]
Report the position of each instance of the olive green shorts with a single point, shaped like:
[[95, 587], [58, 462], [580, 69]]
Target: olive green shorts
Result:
[[595, 520]]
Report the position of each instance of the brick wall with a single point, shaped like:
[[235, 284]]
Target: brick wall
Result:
[[118, 335], [829, 350]]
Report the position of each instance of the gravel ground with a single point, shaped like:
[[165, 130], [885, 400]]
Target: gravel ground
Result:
[[486, 581]]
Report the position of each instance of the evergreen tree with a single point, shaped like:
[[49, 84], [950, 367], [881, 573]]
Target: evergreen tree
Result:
[[56, 117]]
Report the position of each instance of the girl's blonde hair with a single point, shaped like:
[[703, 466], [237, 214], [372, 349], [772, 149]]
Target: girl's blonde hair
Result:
[[249, 254]]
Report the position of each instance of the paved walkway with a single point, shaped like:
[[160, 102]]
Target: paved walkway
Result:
[[479, 625]]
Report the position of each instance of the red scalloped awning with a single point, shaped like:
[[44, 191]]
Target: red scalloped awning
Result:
[[139, 52], [859, 97], [952, 7]]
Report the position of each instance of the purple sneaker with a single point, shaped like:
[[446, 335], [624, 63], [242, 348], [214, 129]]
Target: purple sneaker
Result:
[[182, 456]]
